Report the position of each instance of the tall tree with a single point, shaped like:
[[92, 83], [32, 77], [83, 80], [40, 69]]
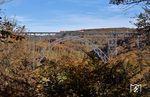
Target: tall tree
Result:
[[143, 19]]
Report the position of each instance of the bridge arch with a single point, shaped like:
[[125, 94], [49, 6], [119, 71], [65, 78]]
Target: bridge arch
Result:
[[103, 56]]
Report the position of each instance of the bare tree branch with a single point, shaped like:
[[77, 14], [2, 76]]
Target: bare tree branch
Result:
[[117, 2]]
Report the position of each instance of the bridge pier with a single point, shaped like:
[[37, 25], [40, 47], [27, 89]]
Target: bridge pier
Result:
[[112, 45]]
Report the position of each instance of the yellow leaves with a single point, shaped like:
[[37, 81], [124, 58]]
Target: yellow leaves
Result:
[[7, 71], [45, 79], [61, 77]]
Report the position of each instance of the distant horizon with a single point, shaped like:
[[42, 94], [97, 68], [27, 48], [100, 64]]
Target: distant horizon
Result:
[[86, 29]]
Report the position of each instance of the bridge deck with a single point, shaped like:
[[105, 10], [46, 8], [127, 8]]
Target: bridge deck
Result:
[[76, 33]]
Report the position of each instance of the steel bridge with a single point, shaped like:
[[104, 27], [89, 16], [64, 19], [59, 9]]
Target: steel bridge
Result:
[[104, 56]]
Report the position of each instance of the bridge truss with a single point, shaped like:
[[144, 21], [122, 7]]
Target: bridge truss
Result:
[[112, 44], [93, 46]]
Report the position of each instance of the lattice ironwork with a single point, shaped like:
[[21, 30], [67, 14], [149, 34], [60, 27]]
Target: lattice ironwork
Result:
[[111, 48], [94, 47], [140, 41], [112, 45]]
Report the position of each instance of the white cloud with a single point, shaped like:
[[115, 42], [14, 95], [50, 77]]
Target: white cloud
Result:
[[21, 18], [97, 21], [114, 8], [76, 22]]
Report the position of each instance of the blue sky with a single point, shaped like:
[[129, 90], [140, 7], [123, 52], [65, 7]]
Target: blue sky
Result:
[[58, 15]]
